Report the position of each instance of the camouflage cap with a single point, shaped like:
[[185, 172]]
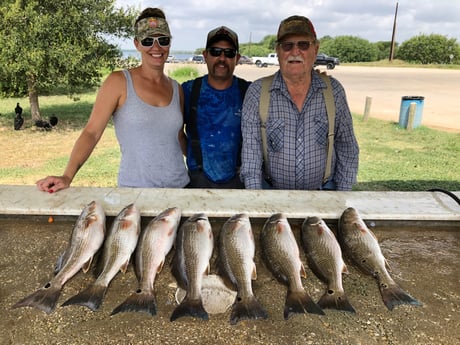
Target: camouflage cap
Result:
[[222, 33], [151, 26], [296, 25]]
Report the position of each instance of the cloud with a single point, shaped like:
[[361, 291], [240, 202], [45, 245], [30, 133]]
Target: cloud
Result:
[[190, 20]]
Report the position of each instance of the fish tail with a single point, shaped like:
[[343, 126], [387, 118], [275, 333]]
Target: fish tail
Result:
[[335, 300], [44, 299], [91, 297], [394, 295], [189, 307], [248, 309], [300, 302], [139, 301]]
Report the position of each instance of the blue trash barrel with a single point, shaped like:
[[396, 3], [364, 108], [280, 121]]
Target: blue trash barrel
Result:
[[404, 111]]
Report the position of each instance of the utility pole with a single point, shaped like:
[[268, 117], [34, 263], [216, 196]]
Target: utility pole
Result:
[[392, 47]]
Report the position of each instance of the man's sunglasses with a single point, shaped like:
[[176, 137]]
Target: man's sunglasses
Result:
[[228, 52], [163, 41], [302, 45]]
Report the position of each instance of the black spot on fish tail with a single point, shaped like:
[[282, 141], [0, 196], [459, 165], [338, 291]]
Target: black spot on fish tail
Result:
[[44, 299], [193, 308], [91, 297], [333, 300], [138, 302], [299, 303], [393, 295], [248, 309]]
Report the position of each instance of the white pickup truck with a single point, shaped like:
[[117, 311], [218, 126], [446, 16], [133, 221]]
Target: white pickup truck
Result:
[[264, 61]]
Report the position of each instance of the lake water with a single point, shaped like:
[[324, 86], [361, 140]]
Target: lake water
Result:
[[177, 56]]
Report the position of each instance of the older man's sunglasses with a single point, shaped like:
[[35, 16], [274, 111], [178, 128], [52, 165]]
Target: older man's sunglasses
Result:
[[302, 45]]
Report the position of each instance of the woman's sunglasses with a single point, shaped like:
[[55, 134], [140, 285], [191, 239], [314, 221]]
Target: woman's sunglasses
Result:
[[302, 45], [228, 52], [163, 41]]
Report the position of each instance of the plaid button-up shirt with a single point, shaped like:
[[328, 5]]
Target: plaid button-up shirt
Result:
[[297, 141]]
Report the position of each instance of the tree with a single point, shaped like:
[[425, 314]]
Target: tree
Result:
[[63, 43], [350, 49], [426, 49]]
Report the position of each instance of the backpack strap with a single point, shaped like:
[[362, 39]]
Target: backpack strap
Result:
[[192, 123], [330, 108], [264, 103], [192, 118]]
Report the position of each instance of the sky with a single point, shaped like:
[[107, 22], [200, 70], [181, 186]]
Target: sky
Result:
[[191, 20]]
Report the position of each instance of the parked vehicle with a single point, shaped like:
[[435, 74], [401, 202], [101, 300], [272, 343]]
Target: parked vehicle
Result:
[[244, 60], [325, 60], [264, 61], [198, 59]]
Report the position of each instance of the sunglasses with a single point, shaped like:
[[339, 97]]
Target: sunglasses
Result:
[[228, 52], [163, 41], [302, 45]]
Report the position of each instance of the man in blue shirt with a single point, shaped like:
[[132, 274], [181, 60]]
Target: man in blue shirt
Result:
[[212, 112]]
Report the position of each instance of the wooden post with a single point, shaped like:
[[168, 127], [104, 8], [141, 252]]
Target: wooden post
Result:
[[367, 108], [411, 118]]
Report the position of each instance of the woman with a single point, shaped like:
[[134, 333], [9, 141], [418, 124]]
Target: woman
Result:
[[146, 108]]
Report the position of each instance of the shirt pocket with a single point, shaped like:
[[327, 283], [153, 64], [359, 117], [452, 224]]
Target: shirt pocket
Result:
[[275, 135], [321, 131]]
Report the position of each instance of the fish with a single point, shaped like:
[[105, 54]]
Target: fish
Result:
[[155, 242], [237, 267], [87, 238], [119, 245], [360, 244], [191, 261], [281, 255], [324, 257]]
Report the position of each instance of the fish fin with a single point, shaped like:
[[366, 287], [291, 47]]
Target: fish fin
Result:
[[60, 262], [91, 297], [254, 272], [303, 274], [188, 307], [393, 295], [248, 309], [299, 303], [124, 267], [387, 265], [160, 266], [86, 266], [345, 269], [139, 301], [44, 299], [335, 300]]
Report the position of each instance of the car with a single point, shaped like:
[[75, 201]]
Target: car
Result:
[[198, 59], [245, 60], [329, 61]]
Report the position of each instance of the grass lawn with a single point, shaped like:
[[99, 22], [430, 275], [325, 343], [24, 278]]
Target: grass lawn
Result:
[[391, 158]]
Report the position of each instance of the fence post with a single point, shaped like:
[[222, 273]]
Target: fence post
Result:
[[367, 108], [411, 118]]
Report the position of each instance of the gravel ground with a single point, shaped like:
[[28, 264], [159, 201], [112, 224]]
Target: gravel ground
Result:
[[424, 261]]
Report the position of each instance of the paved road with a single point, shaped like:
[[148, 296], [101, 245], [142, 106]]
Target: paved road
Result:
[[386, 86]]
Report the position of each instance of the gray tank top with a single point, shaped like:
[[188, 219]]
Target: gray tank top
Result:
[[151, 156]]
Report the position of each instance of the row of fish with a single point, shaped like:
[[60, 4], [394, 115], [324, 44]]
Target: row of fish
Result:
[[194, 246]]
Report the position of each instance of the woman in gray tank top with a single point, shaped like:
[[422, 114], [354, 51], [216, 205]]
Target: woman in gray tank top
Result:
[[146, 108]]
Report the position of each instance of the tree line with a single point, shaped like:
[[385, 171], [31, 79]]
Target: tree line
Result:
[[421, 49], [65, 44]]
